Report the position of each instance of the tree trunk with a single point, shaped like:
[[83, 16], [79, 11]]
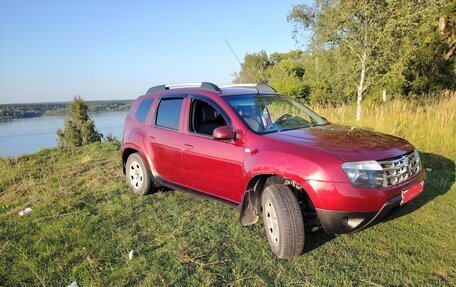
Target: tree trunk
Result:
[[384, 95], [442, 25], [361, 88]]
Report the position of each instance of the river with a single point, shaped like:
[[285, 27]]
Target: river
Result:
[[22, 136]]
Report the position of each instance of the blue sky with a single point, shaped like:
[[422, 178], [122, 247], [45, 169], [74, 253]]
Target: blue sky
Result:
[[54, 50]]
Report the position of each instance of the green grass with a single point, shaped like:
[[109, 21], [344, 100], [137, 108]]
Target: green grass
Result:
[[84, 223]]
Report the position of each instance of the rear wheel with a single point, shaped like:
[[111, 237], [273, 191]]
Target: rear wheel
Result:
[[138, 175], [283, 221]]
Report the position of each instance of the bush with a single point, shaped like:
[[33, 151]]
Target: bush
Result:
[[79, 128]]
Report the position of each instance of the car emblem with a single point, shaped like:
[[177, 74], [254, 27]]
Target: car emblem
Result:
[[406, 161], [406, 164]]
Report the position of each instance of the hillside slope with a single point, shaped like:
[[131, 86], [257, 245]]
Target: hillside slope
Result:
[[84, 223]]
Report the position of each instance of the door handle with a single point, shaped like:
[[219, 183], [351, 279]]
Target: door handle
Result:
[[152, 138], [187, 147]]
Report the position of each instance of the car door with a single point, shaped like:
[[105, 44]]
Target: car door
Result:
[[165, 138], [211, 166]]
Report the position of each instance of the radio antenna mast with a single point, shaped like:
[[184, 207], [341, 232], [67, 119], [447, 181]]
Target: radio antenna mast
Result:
[[240, 64]]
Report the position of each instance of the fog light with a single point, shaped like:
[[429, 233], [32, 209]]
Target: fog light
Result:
[[351, 222], [344, 221]]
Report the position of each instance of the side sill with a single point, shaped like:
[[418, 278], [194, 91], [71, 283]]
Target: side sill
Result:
[[178, 187]]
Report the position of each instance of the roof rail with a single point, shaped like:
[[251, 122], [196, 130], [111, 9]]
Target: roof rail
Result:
[[202, 86], [258, 86]]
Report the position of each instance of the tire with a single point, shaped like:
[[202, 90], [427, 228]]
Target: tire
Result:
[[283, 221], [138, 175]]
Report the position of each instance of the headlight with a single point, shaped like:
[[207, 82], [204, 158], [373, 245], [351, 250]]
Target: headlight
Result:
[[365, 174]]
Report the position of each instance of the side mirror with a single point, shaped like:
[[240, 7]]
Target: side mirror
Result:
[[224, 133]]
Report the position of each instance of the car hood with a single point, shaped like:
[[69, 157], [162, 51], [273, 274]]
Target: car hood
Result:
[[347, 143]]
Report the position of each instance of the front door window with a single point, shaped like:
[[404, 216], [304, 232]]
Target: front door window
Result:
[[205, 118]]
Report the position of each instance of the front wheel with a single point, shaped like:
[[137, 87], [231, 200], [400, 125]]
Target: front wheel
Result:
[[283, 221], [138, 176]]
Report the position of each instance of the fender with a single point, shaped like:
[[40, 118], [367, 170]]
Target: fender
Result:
[[292, 167], [130, 142], [289, 166]]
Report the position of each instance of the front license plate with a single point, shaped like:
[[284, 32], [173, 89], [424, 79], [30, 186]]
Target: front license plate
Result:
[[412, 192]]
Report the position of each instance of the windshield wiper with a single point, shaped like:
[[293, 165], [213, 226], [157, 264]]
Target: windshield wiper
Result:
[[317, 125], [294, 128]]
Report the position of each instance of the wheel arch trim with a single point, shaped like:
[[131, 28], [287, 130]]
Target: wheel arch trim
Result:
[[130, 148], [250, 207]]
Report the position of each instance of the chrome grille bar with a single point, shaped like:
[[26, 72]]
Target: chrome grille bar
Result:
[[401, 168]]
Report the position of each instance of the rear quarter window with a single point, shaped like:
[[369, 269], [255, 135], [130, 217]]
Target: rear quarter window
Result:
[[143, 110]]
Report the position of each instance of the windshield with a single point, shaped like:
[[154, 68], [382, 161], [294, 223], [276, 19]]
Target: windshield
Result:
[[272, 113]]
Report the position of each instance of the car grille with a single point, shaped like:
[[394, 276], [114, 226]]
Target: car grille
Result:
[[401, 168]]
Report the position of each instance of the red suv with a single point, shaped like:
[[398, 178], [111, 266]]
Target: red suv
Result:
[[252, 148]]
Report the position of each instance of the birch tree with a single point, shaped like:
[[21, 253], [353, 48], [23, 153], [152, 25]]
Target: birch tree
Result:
[[354, 27]]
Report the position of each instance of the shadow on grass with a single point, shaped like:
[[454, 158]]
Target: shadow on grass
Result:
[[440, 179], [316, 239]]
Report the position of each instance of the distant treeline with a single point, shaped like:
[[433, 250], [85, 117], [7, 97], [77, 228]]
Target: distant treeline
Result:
[[14, 111]]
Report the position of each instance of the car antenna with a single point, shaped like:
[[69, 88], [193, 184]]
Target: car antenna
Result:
[[240, 64]]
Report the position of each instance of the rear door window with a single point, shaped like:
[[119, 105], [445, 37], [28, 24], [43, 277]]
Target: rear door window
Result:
[[168, 113]]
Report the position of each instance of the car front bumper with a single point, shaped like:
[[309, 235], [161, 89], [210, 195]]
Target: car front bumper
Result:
[[348, 221]]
